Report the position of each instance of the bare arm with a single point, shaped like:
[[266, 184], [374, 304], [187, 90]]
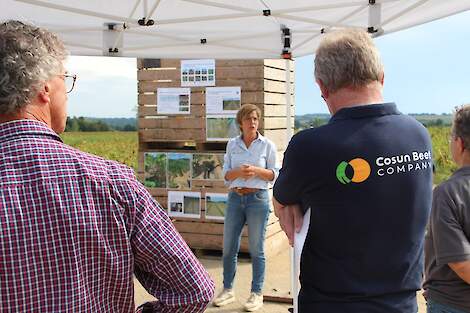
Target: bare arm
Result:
[[462, 269], [290, 218]]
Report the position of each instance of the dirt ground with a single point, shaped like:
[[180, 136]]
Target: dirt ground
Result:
[[277, 283]]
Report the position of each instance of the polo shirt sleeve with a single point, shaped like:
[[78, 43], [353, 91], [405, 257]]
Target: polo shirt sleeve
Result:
[[290, 182], [449, 239]]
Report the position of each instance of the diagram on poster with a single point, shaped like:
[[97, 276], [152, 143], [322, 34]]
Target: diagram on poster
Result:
[[173, 100], [184, 203], [216, 204], [197, 73], [179, 170], [221, 127], [208, 166], [155, 167], [223, 100]]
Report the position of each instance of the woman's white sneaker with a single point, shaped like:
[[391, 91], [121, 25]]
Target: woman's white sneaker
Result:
[[225, 297], [254, 302]]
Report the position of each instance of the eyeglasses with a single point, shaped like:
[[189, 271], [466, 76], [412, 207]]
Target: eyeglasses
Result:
[[69, 81]]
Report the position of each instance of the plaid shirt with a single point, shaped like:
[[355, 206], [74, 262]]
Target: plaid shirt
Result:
[[74, 228]]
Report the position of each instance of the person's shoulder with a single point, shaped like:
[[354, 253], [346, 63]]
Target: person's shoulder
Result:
[[311, 135], [268, 142], [452, 185], [410, 121]]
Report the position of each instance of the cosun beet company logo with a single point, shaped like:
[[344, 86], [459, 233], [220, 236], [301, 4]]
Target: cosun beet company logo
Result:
[[356, 171]]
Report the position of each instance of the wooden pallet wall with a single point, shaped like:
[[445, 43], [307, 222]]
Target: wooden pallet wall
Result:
[[262, 82]]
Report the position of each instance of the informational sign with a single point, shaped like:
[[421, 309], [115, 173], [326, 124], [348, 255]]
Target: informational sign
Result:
[[173, 100], [208, 166], [216, 204], [221, 127], [179, 170], [196, 73], [155, 166], [223, 100], [184, 203]]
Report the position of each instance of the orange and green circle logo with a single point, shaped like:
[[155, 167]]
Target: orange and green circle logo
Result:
[[360, 171]]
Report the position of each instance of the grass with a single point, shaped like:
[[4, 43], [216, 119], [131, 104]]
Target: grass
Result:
[[123, 147]]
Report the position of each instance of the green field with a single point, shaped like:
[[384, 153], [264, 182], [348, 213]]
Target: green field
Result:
[[119, 146], [123, 147]]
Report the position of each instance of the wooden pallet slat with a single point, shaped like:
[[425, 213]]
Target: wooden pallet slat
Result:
[[262, 83]]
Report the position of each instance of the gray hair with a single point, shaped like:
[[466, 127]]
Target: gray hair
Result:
[[347, 58], [461, 125], [29, 56]]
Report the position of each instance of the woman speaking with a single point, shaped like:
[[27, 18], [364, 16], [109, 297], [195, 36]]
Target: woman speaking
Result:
[[249, 166]]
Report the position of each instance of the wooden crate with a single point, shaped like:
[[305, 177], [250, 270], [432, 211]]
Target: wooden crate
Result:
[[262, 82]]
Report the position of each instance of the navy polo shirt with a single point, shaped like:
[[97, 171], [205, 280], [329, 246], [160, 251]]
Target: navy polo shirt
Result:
[[367, 177]]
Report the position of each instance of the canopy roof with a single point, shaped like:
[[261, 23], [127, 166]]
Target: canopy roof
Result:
[[217, 28]]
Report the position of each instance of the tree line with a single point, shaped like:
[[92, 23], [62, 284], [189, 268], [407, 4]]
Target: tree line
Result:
[[83, 124]]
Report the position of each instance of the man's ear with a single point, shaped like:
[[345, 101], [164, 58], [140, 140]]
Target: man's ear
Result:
[[323, 89], [43, 95], [382, 78], [460, 145]]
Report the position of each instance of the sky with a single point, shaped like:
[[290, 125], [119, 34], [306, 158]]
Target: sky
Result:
[[427, 70]]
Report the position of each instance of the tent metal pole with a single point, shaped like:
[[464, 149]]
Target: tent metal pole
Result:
[[78, 45], [403, 12], [152, 11], [392, 30], [309, 20], [136, 5], [135, 48], [223, 6], [206, 18], [347, 16], [78, 11], [145, 8], [293, 265]]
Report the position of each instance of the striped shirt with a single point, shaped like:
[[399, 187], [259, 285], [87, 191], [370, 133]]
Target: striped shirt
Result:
[[74, 228]]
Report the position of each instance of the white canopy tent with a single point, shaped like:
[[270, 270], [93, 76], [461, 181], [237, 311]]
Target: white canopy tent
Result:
[[220, 29], [217, 28]]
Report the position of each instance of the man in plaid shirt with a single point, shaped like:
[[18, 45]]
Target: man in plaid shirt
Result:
[[75, 228]]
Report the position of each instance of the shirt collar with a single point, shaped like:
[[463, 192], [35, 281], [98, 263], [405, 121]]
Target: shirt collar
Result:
[[463, 171], [259, 137], [19, 128], [369, 110]]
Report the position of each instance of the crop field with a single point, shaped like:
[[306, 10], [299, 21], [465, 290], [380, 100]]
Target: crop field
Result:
[[123, 147], [119, 146]]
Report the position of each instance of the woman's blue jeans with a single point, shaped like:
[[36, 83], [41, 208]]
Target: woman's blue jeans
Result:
[[252, 208], [435, 307]]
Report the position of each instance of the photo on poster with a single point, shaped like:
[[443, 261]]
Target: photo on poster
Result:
[[208, 166], [216, 205], [184, 203], [197, 73], [155, 167], [223, 100], [221, 127], [179, 170], [173, 100]]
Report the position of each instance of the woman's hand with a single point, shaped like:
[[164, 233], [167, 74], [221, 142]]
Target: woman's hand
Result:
[[248, 171]]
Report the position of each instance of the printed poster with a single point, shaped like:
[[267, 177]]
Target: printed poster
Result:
[[184, 204], [196, 73], [173, 100], [221, 127], [216, 204], [223, 100]]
